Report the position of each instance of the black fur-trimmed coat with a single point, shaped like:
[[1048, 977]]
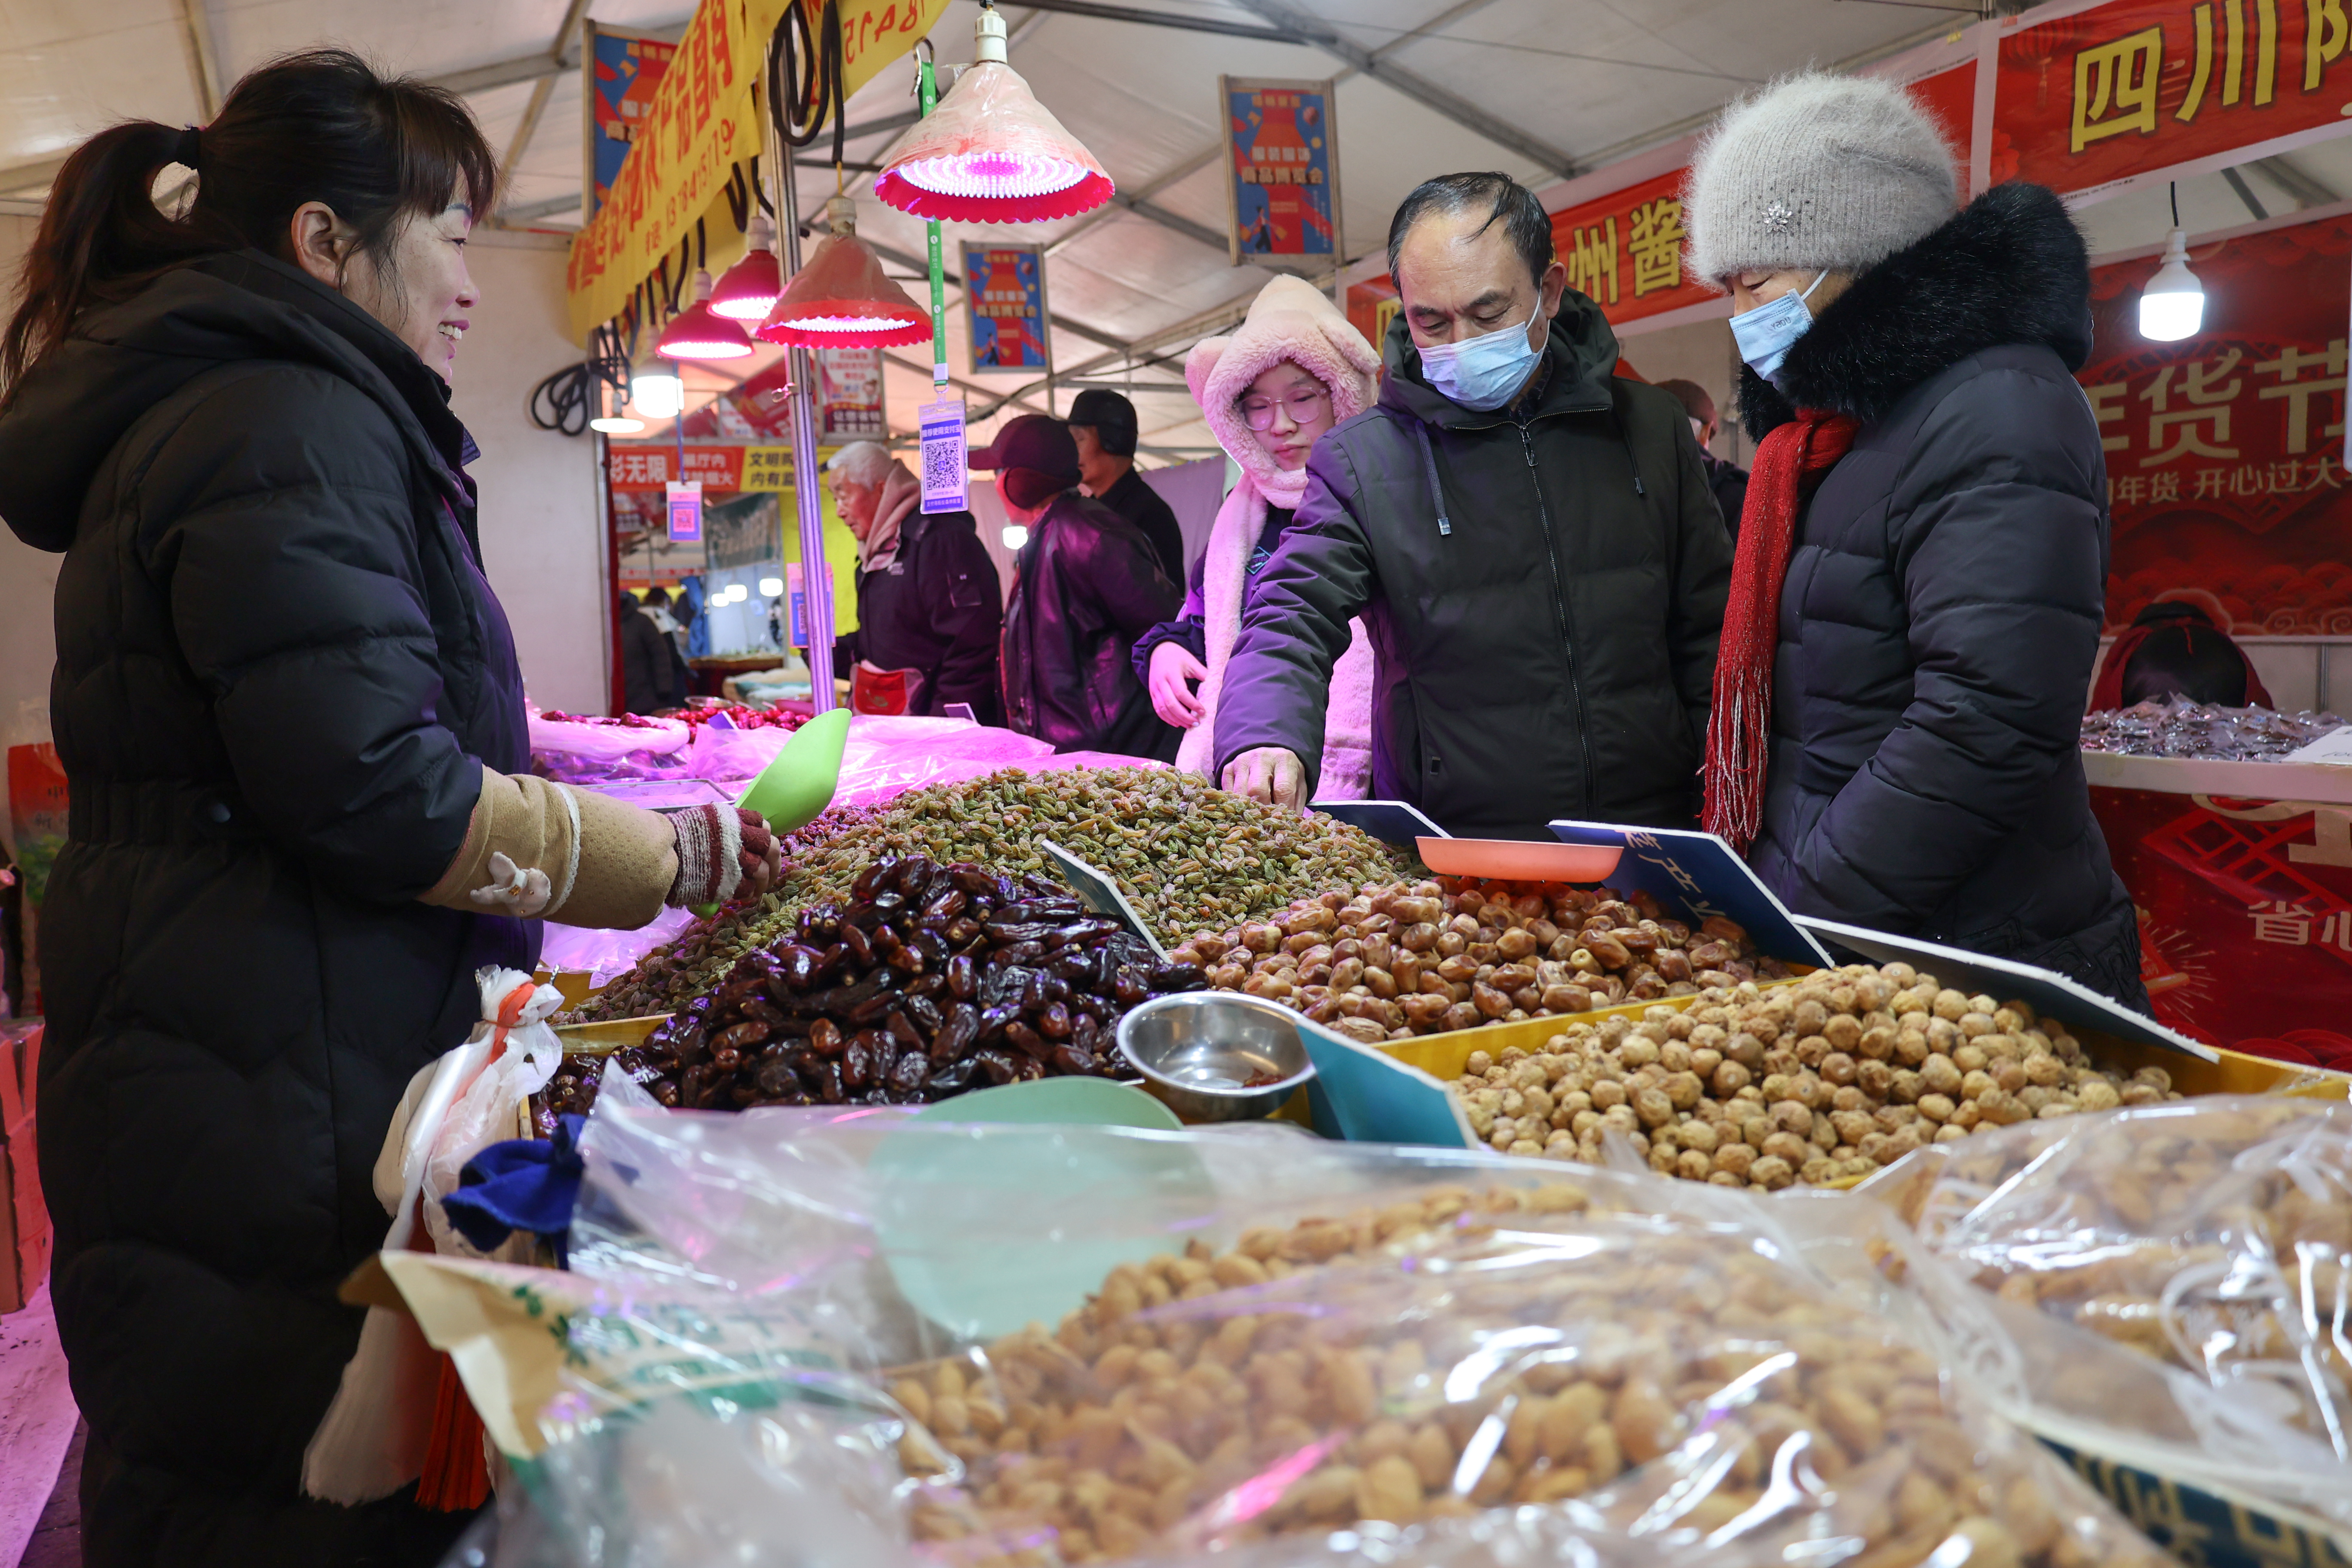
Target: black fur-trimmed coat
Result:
[[1942, 608]]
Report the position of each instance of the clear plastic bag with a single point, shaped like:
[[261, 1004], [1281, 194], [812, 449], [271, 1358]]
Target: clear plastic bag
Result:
[[2212, 1237], [1270, 1349]]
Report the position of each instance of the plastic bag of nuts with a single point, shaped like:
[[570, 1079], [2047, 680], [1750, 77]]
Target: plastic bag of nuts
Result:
[[1294, 1352], [1396, 960], [1820, 1082], [1434, 1377], [2214, 1236]]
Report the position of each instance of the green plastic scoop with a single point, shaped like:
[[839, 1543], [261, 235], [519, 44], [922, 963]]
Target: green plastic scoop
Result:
[[793, 790]]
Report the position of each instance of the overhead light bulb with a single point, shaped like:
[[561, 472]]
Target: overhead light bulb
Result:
[[843, 299], [772, 587], [658, 393], [749, 290], [990, 153], [2172, 306], [699, 332], [617, 425], [1016, 536]]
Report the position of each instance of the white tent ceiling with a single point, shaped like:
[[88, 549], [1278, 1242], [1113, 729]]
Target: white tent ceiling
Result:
[[1541, 88]]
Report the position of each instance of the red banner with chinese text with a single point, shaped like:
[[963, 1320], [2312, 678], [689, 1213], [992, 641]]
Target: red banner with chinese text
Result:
[[1624, 250], [2225, 451], [2136, 86], [652, 465]]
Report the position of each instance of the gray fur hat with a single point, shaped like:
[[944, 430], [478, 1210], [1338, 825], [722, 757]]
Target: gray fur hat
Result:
[[1816, 170]]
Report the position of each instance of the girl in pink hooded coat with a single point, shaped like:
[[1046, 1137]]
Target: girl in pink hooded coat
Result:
[[1295, 369]]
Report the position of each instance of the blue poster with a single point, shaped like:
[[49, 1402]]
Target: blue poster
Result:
[[622, 71], [1282, 166], [1004, 307]]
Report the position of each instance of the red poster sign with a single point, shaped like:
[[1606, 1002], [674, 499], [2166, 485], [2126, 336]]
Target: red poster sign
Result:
[[2225, 451], [762, 407], [2226, 889], [2136, 86]]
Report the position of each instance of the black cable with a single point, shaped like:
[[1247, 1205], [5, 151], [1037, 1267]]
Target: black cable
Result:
[[2176, 203], [566, 400], [813, 64]]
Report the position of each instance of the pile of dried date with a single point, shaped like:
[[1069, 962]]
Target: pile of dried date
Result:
[[931, 980]]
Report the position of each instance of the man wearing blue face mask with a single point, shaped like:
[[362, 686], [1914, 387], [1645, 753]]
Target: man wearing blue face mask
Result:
[[1528, 538]]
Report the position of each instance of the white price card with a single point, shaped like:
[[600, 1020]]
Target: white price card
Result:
[[947, 475]]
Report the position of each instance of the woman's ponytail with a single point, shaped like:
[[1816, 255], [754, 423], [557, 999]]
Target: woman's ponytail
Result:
[[319, 126], [102, 236]]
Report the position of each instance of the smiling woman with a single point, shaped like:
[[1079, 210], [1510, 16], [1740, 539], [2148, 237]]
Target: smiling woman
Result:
[[292, 724]]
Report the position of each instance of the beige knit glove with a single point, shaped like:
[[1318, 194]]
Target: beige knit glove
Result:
[[537, 847]]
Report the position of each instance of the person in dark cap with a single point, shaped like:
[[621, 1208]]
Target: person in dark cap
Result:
[[1087, 584], [1727, 481], [1103, 424]]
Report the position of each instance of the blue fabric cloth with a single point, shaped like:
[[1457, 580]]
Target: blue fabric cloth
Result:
[[523, 1184]]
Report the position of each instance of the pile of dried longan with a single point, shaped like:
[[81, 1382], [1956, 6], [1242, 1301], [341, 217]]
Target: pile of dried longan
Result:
[[1457, 1352], [1829, 1078]]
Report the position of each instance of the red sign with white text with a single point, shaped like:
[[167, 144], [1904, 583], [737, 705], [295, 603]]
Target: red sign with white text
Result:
[[2225, 451], [2135, 85]]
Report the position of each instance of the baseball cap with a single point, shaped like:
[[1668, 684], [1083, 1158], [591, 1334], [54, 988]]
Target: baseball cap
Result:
[[1036, 456], [1110, 416]]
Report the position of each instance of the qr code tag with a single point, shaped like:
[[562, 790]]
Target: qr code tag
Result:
[[946, 476]]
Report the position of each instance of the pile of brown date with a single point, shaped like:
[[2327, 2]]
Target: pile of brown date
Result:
[[930, 981]]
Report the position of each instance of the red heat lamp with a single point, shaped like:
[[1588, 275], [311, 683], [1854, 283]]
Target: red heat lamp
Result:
[[747, 292], [990, 153], [842, 298], [699, 332]]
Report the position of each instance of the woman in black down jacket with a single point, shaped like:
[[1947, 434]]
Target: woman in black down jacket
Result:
[[1922, 557], [292, 722]]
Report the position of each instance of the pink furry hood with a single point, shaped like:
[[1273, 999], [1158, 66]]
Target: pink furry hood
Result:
[[1289, 320]]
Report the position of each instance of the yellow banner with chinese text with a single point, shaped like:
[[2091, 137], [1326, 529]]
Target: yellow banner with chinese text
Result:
[[702, 123]]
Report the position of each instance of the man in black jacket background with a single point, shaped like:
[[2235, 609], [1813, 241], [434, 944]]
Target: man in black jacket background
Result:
[[1528, 538], [1103, 424], [928, 604], [1728, 480], [1086, 587]]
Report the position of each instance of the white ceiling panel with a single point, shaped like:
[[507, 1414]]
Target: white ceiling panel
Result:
[[1585, 77]]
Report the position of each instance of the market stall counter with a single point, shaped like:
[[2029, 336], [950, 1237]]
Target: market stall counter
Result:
[[2235, 842]]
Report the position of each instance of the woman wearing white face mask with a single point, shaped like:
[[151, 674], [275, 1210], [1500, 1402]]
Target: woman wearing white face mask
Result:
[[1293, 370], [1920, 579]]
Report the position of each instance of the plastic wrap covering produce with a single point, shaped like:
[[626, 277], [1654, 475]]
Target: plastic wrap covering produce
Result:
[[930, 981], [1820, 1081], [573, 749], [1186, 855], [788, 1328], [2180, 728], [1391, 962], [2213, 1236], [702, 710]]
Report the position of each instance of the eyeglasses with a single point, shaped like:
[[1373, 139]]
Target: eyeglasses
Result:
[[1303, 406]]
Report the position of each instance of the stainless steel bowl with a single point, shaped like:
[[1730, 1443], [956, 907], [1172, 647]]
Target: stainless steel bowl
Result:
[[1197, 1049]]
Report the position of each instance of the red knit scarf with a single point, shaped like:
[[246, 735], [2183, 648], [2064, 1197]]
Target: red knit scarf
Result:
[[1789, 463]]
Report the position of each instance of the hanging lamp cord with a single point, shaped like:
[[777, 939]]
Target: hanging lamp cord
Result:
[[811, 62]]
